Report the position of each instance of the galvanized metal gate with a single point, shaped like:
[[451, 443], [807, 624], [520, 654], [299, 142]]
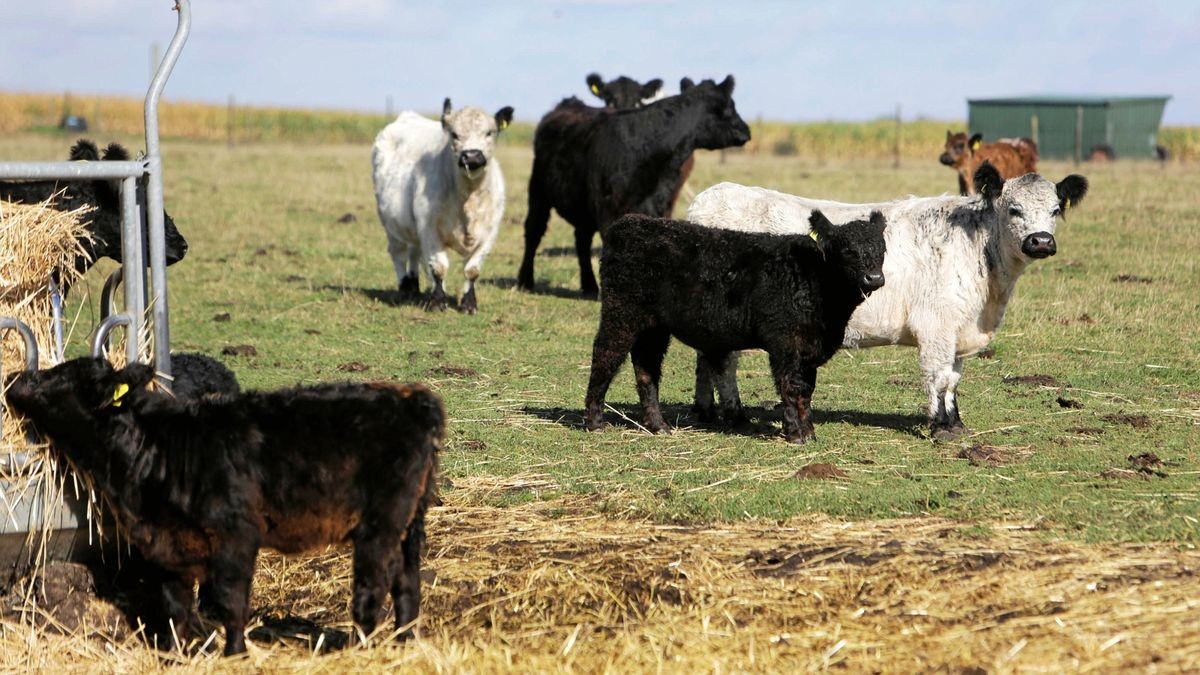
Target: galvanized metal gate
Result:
[[23, 514]]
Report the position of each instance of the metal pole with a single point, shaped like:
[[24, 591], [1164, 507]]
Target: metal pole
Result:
[[8, 323], [133, 268], [105, 327], [154, 195]]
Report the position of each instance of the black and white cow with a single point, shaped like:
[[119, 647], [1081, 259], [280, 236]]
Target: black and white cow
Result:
[[951, 268]]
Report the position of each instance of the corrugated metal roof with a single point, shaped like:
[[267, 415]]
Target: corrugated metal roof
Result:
[[1068, 99]]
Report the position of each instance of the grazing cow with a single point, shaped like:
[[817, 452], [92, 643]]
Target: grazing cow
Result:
[[624, 93], [200, 486], [720, 291], [952, 265], [438, 186], [103, 222], [1012, 157], [594, 165]]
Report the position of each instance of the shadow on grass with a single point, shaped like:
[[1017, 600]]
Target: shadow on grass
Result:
[[388, 296], [762, 422], [541, 288]]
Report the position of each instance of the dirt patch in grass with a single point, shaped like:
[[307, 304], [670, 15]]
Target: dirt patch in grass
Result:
[[1132, 279], [992, 455], [452, 371], [353, 367], [1068, 403], [820, 472], [1137, 421], [239, 350], [1085, 431], [221, 317], [1033, 380]]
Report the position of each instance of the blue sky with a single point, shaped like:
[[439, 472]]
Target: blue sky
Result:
[[792, 60]]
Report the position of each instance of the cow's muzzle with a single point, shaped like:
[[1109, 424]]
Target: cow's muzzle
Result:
[[872, 281], [1039, 245], [946, 159], [472, 160]]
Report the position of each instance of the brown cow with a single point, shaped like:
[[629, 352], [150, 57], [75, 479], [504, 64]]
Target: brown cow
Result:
[[1012, 157]]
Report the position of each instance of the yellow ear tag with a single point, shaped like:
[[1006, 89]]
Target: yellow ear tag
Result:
[[595, 89], [503, 124], [1067, 205], [120, 391], [975, 145], [813, 235]]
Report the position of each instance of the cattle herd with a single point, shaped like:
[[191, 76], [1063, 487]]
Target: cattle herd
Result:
[[201, 478]]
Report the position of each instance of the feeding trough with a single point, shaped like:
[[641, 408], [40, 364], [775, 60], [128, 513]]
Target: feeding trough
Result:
[[45, 519]]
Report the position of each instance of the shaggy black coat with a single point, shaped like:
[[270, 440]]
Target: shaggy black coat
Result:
[[103, 223], [197, 375], [201, 485], [594, 165], [719, 291]]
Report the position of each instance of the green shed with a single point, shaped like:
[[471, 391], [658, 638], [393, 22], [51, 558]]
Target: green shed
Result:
[[1071, 127]]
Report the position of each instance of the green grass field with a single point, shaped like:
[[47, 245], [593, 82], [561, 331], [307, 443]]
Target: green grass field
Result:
[[1111, 319], [1104, 333]]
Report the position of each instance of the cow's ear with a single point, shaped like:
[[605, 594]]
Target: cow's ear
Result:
[[595, 83], [504, 117], [685, 84], [136, 375], [84, 151], [446, 112], [651, 88], [819, 226], [975, 142], [1071, 190], [949, 135], [988, 182], [726, 85], [877, 219]]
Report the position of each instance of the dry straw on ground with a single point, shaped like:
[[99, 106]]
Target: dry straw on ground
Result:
[[554, 587]]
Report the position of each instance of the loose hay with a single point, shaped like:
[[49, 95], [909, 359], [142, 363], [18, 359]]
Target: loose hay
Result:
[[553, 587]]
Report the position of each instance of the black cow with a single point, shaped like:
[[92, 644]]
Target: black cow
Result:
[[624, 92], [720, 291], [594, 165], [103, 223], [198, 375], [201, 485]]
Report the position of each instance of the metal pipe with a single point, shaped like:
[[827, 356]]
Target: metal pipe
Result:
[[134, 269], [106, 293], [8, 323], [104, 329], [105, 170], [154, 196], [56, 319]]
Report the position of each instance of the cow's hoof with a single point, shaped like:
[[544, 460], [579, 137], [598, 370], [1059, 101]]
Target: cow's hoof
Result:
[[736, 417], [436, 305], [591, 424], [468, 306], [589, 293], [656, 426], [705, 413], [800, 437], [947, 434]]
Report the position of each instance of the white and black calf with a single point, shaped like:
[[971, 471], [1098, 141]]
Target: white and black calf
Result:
[[951, 267]]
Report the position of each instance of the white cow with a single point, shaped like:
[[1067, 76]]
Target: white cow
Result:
[[952, 263], [437, 187]]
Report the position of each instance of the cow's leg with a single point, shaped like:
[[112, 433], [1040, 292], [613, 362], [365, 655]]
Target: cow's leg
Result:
[[439, 262], [703, 404], [406, 273], [795, 380], [647, 356], [618, 331], [377, 545], [535, 228], [406, 584], [177, 608], [230, 574], [727, 390], [472, 268], [950, 398], [410, 285], [583, 250], [938, 371]]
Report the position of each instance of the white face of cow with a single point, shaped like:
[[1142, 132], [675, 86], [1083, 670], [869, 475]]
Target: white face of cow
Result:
[[1029, 207], [473, 135]]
